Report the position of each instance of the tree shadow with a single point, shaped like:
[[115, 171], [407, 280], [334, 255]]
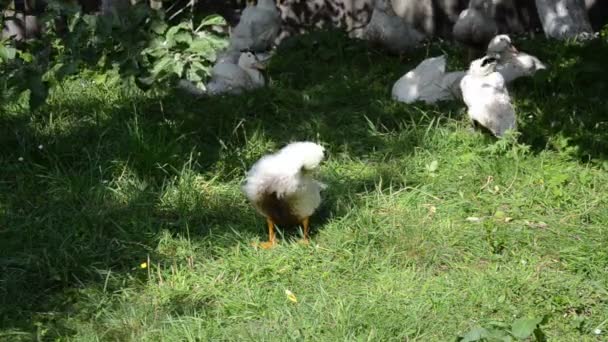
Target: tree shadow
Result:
[[566, 103], [598, 14], [93, 198]]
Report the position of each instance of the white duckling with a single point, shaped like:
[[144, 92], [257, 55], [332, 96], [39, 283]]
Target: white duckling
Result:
[[513, 64], [475, 27], [428, 82], [389, 30], [281, 187], [258, 27], [487, 98], [230, 78]]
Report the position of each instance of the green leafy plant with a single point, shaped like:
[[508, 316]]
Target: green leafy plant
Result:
[[182, 51], [522, 329], [20, 72], [136, 43]]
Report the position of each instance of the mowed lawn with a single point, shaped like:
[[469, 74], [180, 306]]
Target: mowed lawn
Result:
[[122, 219]]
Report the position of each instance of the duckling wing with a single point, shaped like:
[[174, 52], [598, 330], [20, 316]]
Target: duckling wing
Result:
[[451, 84], [488, 102], [422, 81], [520, 66], [283, 173], [228, 78], [468, 86], [501, 116], [307, 197]]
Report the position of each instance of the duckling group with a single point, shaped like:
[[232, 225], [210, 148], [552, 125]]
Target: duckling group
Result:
[[281, 186]]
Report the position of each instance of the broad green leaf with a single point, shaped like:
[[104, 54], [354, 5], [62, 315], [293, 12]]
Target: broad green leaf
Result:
[[158, 44], [201, 69], [178, 68], [475, 334], [198, 66], [158, 26], [169, 36], [183, 37], [524, 327], [26, 56], [73, 21], [203, 48], [216, 42], [158, 52], [7, 52], [192, 75], [161, 65], [214, 19], [172, 31]]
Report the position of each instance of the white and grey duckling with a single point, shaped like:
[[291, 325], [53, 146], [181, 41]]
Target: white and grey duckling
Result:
[[282, 188], [389, 30], [428, 82], [230, 78], [475, 27], [258, 27], [487, 98], [513, 64]]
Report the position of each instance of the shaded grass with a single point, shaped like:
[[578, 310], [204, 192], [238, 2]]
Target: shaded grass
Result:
[[426, 229]]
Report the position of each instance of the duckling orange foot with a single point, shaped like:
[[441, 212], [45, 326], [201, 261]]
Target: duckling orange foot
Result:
[[304, 242], [271, 237], [265, 244], [268, 244]]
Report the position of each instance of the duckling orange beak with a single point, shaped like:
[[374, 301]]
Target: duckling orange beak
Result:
[[513, 49], [259, 66]]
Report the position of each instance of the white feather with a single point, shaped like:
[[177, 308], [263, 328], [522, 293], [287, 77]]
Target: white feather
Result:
[[230, 78], [282, 173], [428, 82], [487, 98], [513, 64]]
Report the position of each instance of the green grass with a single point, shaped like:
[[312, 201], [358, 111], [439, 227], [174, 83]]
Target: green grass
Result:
[[124, 178]]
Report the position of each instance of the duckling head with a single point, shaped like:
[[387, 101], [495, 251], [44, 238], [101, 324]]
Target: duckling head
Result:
[[483, 66], [501, 44], [248, 60], [481, 5]]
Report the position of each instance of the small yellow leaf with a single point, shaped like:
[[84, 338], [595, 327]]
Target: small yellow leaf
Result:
[[291, 296], [143, 265]]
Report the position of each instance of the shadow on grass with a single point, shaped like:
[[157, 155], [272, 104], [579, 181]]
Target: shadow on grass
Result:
[[565, 107]]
